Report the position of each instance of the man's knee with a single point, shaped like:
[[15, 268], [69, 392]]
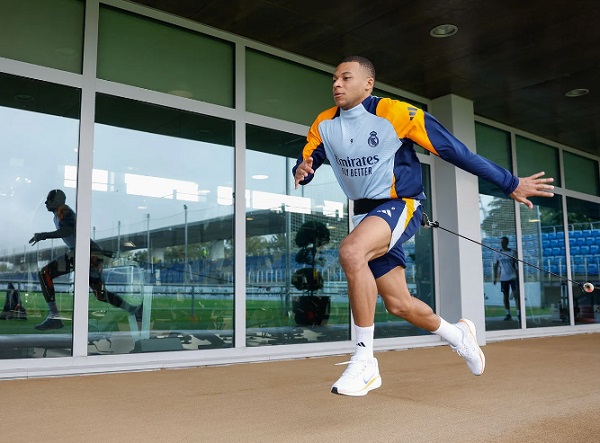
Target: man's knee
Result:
[[349, 253], [400, 307]]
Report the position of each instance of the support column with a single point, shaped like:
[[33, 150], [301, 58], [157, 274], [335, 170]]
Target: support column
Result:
[[456, 206]]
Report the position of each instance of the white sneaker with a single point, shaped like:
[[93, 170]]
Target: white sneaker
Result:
[[468, 347], [360, 377]]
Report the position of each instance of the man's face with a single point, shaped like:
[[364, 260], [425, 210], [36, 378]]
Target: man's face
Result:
[[504, 243], [51, 201], [351, 85]]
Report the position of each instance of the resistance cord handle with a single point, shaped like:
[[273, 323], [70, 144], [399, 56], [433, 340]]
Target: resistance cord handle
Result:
[[425, 222]]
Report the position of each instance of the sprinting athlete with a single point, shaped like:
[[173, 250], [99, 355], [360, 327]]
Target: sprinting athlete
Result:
[[64, 220], [369, 143]]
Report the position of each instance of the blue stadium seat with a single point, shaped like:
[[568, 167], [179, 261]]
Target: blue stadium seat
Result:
[[577, 259], [560, 235], [579, 270], [575, 234], [580, 241], [586, 233], [584, 250], [596, 233], [575, 250], [595, 249], [556, 251], [590, 241], [592, 269]]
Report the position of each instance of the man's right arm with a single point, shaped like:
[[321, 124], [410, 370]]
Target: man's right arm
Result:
[[314, 150]]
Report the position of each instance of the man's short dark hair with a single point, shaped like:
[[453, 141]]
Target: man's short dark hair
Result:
[[363, 62], [56, 195]]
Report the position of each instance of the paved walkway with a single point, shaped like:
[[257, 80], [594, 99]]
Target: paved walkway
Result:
[[534, 390]]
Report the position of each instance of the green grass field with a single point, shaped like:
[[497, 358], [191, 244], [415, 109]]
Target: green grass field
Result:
[[173, 313]]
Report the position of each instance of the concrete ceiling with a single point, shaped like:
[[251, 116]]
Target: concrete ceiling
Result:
[[515, 60]]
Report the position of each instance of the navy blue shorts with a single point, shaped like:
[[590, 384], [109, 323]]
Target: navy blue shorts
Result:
[[404, 218]]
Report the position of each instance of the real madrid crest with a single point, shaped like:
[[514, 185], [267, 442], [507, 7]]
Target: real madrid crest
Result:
[[373, 140]]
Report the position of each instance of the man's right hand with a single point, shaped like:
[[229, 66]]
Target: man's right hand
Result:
[[303, 170]]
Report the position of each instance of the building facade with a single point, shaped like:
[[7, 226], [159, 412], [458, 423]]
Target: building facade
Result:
[[173, 143]]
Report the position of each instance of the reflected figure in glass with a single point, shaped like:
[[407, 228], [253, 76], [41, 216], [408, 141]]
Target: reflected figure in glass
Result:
[[64, 220], [13, 305]]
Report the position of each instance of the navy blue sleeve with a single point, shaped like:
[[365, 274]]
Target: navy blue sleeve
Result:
[[453, 151]]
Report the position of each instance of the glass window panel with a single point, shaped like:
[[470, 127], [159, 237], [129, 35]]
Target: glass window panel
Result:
[[268, 90], [162, 209], [584, 243], [493, 144], [500, 270], [419, 276], [296, 287], [534, 157], [581, 173], [43, 32], [142, 52], [39, 135], [546, 296]]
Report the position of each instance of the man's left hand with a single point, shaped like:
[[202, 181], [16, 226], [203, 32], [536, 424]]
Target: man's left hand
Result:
[[533, 186]]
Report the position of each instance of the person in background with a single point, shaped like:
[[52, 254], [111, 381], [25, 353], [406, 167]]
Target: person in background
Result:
[[507, 265]]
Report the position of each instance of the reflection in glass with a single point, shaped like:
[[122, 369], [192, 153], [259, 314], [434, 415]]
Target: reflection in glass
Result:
[[546, 296], [584, 245], [47, 33], [581, 173], [39, 130], [163, 206], [296, 289], [500, 269], [139, 51]]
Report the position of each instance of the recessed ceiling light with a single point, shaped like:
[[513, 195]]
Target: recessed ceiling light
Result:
[[577, 92], [445, 30], [260, 177]]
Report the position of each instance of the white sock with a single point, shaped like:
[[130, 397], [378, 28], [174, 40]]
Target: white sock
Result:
[[364, 342], [449, 332]]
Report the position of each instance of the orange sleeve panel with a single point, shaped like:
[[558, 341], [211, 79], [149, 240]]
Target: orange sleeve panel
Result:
[[313, 138], [408, 121]]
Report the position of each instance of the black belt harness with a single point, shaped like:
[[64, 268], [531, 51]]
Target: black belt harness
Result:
[[365, 205]]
